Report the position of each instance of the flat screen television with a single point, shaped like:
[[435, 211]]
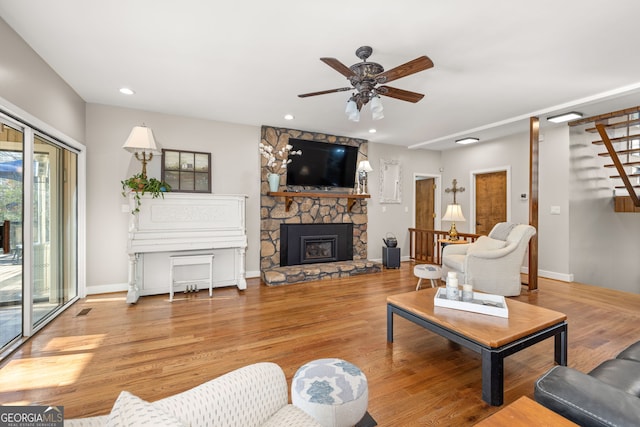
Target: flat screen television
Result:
[[322, 164]]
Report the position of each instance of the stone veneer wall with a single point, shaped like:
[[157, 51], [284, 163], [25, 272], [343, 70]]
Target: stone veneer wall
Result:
[[305, 210]]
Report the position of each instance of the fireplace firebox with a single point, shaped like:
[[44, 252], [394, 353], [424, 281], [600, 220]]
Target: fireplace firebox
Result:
[[315, 243]]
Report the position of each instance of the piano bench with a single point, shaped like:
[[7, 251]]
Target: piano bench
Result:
[[196, 259]]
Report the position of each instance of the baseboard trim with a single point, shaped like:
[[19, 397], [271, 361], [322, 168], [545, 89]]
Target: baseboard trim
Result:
[[565, 277], [123, 287], [107, 289], [252, 274]]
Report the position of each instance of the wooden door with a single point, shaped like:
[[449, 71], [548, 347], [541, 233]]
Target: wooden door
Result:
[[491, 200], [425, 209], [425, 213]]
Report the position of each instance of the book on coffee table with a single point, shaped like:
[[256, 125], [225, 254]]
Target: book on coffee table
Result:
[[493, 305]]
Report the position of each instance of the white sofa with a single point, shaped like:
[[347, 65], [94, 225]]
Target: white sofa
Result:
[[255, 395], [492, 263]]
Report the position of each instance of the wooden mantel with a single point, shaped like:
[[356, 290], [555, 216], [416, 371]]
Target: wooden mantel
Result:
[[289, 195]]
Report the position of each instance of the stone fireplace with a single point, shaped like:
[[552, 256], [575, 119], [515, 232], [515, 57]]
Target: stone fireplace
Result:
[[309, 209]]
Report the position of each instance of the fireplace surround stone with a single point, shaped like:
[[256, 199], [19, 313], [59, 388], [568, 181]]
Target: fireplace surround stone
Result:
[[309, 210]]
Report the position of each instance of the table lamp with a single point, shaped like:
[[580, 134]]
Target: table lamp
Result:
[[453, 214]]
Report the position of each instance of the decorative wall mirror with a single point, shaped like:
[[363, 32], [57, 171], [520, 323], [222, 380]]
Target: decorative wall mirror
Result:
[[187, 171], [390, 181]]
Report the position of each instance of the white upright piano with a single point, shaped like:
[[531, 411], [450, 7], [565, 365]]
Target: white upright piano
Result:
[[183, 224]]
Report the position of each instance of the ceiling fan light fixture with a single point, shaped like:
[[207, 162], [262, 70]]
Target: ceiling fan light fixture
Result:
[[351, 106], [565, 117], [376, 104], [469, 140], [368, 80], [352, 110]]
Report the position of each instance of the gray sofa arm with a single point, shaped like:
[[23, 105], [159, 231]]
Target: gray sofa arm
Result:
[[586, 400]]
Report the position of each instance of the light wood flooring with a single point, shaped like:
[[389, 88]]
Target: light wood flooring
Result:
[[156, 348]]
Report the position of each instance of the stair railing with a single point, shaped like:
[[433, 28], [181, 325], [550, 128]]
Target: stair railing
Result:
[[425, 246], [618, 164]]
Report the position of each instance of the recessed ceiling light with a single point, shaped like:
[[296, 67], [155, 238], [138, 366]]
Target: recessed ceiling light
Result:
[[288, 117], [126, 91], [564, 117], [372, 130], [467, 140]]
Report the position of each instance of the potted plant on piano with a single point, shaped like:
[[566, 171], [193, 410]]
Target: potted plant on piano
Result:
[[139, 184]]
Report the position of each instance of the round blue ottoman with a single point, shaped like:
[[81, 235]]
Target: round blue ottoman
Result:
[[332, 391]]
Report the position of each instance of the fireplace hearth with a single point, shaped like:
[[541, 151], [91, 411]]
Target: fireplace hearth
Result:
[[315, 243]]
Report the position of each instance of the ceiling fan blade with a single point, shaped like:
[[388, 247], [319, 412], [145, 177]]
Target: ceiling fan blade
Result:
[[419, 64], [322, 92], [338, 66], [401, 94]]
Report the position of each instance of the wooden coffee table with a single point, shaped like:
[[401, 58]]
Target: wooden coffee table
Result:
[[525, 412], [493, 337]]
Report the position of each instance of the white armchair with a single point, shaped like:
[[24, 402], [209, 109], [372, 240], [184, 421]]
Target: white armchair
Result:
[[491, 263]]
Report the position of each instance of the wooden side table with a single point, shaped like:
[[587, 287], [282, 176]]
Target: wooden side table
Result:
[[525, 412], [445, 242]]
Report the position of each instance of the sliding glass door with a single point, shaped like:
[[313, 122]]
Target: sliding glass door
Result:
[[39, 218], [11, 184], [54, 234]]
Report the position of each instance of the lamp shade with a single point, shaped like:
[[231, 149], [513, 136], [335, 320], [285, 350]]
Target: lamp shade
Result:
[[376, 108], [352, 110], [141, 140], [376, 104], [453, 213], [364, 166]]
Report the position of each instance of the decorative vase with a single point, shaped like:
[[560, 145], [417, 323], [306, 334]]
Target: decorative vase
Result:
[[274, 181]]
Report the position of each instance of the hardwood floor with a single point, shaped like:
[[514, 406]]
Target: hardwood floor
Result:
[[156, 348]]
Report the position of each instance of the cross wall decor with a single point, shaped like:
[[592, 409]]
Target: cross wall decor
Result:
[[455, 189]]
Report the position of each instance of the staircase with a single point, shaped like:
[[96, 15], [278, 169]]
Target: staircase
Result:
[[619, 134]]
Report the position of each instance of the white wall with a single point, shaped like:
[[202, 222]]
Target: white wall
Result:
[[512, 152], [460, 163], [236, 169], [604, 246], [553, 229], [391, 217], [575, 242], [29, 83], [235, 166]]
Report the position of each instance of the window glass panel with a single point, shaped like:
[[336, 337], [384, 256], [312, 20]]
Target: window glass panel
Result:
[[11, 185], [54, 228]]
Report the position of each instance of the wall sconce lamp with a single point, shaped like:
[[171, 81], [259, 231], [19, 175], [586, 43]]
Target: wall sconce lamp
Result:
[[142, 143], [364, 167], [453, 214]]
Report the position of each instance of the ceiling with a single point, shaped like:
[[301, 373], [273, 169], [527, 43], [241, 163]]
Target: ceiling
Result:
[[245, 61]]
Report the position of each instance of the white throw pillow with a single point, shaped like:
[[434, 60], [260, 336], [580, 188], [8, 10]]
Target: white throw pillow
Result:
[[130, 410], [485, 243]]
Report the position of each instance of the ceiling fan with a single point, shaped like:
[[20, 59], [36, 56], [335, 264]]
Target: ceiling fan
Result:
[[368, 81]]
